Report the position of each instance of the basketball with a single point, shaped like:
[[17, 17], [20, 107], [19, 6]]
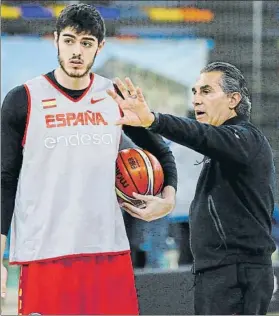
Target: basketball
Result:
[[137, 171]]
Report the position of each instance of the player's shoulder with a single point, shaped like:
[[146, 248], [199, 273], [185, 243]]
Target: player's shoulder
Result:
[[20, 93], [102, 81], [38, 80]]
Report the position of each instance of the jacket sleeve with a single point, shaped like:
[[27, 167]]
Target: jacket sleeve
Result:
[[235, 143], [13, 120], [156, 145]]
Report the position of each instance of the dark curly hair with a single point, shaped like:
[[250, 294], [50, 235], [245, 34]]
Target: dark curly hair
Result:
[[83, 18]]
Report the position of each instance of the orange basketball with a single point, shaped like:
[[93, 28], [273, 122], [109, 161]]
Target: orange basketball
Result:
[[137, 171]]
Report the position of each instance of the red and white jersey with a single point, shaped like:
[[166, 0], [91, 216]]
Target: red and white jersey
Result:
[[66, 202]]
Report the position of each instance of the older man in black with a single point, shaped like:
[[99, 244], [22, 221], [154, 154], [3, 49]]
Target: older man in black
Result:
[[230, 216]]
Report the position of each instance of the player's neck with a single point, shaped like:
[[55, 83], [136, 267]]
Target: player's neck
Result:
[[71, 83]]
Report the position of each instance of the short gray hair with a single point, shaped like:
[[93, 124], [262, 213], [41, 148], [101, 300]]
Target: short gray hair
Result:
[[232, 81]]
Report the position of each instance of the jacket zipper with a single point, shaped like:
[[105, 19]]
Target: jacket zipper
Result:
[[190, 238], [216, 219]]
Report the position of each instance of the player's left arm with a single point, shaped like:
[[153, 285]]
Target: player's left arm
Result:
[[157, 207], [170, 185]]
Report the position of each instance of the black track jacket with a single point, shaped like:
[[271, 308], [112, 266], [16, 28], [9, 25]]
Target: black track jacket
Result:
[[230, 216]]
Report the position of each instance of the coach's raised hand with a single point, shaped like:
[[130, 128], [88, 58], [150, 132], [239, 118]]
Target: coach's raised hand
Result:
[[134, 107]]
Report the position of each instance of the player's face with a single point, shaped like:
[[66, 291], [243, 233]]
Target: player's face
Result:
[[211, 104], [76, 52]]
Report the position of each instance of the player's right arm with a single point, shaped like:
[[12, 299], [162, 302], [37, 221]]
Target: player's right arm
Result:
[[13, 121]]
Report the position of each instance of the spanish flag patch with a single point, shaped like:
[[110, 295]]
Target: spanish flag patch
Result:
[[49, 103]]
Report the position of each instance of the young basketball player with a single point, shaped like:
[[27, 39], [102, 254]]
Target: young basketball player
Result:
[[59, 146]]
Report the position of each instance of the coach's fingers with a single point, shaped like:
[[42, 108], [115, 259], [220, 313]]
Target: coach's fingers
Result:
[[122, 88], [130, 86], [140, 95], [123, 121], [115, 96]]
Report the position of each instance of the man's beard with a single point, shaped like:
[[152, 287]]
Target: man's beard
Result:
[[74, 74]]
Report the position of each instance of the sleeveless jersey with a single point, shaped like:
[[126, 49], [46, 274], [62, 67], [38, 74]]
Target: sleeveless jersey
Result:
[[66, 202]]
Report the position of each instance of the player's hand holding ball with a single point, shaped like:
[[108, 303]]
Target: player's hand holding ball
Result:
[[156, 207], [139, 182]]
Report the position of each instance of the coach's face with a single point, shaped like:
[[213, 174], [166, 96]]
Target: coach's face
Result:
[[76, 51], [211, 104]]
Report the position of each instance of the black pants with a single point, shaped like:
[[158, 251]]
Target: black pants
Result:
[[241, 289]]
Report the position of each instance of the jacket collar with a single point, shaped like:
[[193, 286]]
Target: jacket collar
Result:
[[236, 120]]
